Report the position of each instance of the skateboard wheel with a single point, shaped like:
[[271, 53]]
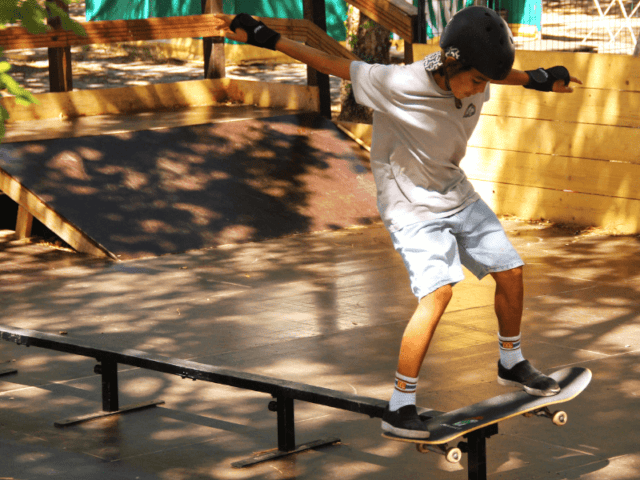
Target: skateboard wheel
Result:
[[560, 418], [422, 448], [454, 455]]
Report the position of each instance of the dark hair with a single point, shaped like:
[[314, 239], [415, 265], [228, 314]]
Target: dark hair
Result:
[[454, 68]]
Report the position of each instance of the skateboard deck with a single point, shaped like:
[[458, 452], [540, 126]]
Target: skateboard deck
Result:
[[444, 427]]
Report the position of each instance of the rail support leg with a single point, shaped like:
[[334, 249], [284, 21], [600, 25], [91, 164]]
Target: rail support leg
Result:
[[476, 447], [286, 425], [283, 406], [108, 369]]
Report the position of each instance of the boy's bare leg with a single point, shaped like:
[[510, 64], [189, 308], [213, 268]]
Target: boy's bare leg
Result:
[[401, 417], [420, 329], [509, 301], [513, 369]]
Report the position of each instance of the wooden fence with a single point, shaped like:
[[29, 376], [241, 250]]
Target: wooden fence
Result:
[[568, 158]]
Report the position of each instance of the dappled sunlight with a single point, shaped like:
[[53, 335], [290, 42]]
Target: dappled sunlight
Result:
[[141, 193], [326, 310]]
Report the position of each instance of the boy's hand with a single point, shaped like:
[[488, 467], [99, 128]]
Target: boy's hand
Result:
[[240, 35], [244, 28], [555, 79], [560, 87]]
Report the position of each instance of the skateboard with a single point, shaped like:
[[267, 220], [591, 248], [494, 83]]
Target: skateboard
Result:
[[446, 426]]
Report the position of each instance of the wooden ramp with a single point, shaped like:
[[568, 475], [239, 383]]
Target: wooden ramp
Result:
[[158, 191]]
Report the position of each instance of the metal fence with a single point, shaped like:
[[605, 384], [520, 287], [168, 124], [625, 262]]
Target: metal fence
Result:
[[599, 26]]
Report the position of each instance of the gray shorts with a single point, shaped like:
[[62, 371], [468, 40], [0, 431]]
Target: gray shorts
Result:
[[435, 251]]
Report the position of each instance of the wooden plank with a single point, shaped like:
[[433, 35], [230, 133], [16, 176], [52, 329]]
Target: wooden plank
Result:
[[617, 215], [162, 96], [603, 142], [580, 175], [596, 177], [51, 219], [608, 72], [319, 39], [115, 31], [622, 71], [585, 105]]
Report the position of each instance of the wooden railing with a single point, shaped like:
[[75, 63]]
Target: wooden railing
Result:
[[118, 31]]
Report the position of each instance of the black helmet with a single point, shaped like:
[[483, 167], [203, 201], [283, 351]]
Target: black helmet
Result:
[[482, 40]]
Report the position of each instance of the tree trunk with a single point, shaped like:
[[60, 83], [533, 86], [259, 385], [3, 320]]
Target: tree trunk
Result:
[[371, 43]]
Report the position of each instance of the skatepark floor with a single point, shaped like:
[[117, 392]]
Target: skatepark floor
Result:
[[327, 309]]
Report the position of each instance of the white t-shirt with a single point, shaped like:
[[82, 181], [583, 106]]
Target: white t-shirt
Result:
[[419, 139]]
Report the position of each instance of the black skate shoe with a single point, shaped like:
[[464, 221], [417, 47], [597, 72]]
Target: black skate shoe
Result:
[[525, 375], [404, 422]]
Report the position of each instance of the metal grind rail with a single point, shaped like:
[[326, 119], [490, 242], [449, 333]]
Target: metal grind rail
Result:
[[284, 392]]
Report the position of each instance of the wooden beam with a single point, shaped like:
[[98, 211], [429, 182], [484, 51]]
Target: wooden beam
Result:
[[319, 39], [115, 31], [51, 219], [395, 15]]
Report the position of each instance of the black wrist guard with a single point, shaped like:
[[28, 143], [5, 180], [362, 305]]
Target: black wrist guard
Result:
[[259, 35], [543, 79]]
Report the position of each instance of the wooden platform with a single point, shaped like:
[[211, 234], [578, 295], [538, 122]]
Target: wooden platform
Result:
[[169, 190]]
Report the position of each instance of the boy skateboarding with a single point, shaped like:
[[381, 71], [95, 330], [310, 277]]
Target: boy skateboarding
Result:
[[424, 114]]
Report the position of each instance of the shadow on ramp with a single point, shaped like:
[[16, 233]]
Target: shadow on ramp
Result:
[[156, 192]]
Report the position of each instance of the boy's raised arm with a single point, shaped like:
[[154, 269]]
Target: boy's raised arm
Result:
[[555, 79], [262, 36]]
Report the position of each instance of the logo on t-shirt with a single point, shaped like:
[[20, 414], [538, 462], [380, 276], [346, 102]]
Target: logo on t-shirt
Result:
[[471, 111]]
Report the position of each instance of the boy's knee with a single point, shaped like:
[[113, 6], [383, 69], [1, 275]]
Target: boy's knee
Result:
[[442, 294], [515, 274]]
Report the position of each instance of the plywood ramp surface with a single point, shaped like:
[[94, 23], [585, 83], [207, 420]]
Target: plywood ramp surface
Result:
[[153, 192]]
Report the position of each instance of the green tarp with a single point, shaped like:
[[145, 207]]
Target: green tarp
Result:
[[137, 9]]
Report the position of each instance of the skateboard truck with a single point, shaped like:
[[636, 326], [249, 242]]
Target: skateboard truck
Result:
[[475, 447], [559, 418], [452, 454]]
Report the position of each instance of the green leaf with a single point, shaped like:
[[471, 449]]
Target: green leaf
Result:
[[4, 115], [65, 21]]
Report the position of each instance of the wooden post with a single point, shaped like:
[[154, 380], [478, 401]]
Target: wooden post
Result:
[[314, 10], [60, 76], [214, 59], [408, 52], [24, 222], [420, 32]]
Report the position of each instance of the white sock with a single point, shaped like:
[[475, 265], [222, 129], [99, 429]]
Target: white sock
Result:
[[510, 351], [404, 392]]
